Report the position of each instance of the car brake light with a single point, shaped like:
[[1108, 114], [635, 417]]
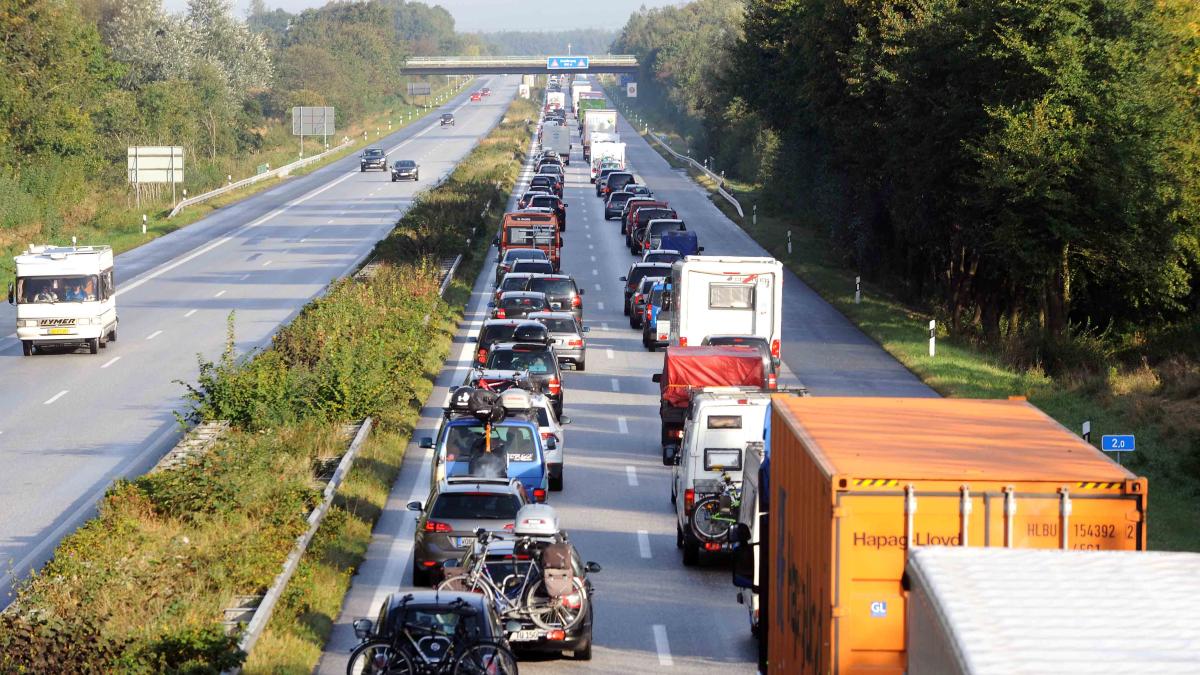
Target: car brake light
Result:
[[662, 336], [546, 435], [772, 382], [712, 546], [682, 341], [508, 526], [539, 495], [678, 433], [689, 501], [575, 343], [429, 563], [637, 297], [500, 314], [576, 301], [646, 245], [558, 633], [482, 355], [435, 526], [775, 348], [555, 386]]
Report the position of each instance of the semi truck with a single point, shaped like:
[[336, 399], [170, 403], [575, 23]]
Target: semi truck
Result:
[[577, 89], [990, 610], [727, 295], [856, 484], [65, 296]]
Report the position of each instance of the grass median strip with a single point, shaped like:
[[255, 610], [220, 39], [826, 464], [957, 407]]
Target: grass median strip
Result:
[[141, 587]]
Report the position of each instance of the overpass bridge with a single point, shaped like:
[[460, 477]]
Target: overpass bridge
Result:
[[522, 65]]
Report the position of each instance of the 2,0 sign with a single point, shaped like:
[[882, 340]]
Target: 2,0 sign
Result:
[[1123, 443]]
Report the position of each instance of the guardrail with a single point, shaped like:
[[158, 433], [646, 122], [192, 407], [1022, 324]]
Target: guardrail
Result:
[[282, 171], [720, 180]]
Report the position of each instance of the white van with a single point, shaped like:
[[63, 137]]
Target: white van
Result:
[[728, 296], [721, 421], [65, 295]]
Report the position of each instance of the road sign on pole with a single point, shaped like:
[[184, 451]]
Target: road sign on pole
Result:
[[312, 121], [631, 89], [567, 62], [154, 164]]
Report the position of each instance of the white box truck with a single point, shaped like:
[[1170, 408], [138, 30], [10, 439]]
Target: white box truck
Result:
[[577, 89], [558, 139], [65, 296], [555, 100], [597, 121], [610, 150], [1023, 610], [726, 295]]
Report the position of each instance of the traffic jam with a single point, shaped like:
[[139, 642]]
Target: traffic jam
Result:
[[489, 551]]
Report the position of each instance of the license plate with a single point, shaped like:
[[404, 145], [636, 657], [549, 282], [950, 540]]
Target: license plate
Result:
[[527, 635], [59, 331], [556, 305], [463, 541]]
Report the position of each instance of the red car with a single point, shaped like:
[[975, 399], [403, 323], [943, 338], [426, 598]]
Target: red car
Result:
[[476, 96]]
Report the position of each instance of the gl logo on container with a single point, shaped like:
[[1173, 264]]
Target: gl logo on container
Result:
[[878, 609]]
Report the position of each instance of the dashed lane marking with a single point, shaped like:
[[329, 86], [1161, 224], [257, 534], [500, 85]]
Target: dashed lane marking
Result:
[[189, 313], [111, 361], [631, 475], [622, 426], [154, 335], [55, 397], [643, 538], [662, 646]]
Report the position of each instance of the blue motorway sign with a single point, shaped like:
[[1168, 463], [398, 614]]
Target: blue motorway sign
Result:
[[1124, 443], [567, 62]]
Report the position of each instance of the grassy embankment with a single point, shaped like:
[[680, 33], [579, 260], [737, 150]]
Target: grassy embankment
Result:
[[1161, 405], [112, 217], [140, 588]]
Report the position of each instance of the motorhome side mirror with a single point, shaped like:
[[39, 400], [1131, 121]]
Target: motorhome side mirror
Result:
[[426, 443], [593, 567], [740, 533], [10, 294], [362, 628], [451, 563], [656, 378], [551, 444]]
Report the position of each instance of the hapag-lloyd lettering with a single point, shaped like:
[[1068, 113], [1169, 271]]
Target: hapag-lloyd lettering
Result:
[[878, 541]]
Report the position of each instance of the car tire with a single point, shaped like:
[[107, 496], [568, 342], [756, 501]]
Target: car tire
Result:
[[93, 345], [362, 169], [584, 654], [632, 323], [691, 551], [393, 179], [678, 530], [652, 347], [625, 309], [27, 347], [416, 177], [112, 335], [581, 365], [556, 484], [421, 577], [103, 340]]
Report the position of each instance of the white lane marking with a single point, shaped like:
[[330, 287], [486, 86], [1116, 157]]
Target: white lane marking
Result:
[[622, 426], [600, 305], [219, 294], [643, 538], [593, 258], [154, 335], [590, 247], [301, 241], [597, 286], [190, 312], [588, 235], [596, 272], [329, 222], [55, 397], [603, 326], [608, 352], [266, 264], [631, 475], [244, 277], [616, 384], [111, 361], [662, 646]]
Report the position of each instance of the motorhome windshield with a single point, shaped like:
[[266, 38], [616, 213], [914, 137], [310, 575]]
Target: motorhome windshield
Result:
[[51, 290]]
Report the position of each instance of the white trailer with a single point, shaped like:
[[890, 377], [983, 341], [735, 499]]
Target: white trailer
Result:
[[577, 89], [719, 295], [65, 295], [558, 139], [610, 150], [1019, 610], [555, 99], [597, 121]]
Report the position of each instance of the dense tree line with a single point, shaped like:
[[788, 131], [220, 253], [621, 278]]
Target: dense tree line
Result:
[[1027, 165], [538, 43], [84, 79]]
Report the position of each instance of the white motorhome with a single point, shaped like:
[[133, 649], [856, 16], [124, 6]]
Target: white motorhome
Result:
[[721, 421], [610, 150], [726, 295], [65, 295], [596, 121]]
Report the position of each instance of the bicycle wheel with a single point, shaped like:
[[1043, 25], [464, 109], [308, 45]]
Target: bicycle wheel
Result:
[[486, 658], [549, 612], [379, 657], [707, 520]]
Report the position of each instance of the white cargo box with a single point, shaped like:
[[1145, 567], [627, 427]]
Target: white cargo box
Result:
[[998, 610]]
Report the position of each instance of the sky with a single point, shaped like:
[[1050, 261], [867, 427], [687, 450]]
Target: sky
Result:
[[497, 15]]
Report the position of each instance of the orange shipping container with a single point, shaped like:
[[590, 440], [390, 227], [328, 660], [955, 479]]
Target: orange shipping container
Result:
[[856, 481]]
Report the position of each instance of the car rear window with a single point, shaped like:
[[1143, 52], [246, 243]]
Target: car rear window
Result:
[[536, 362], [545, 201], [669, 226], [639, 273], [560, 325], [524, 255], [498, 333], [662, 257], [475, 506], [512, 282], [556, 287], [532, 266], [523, 302]]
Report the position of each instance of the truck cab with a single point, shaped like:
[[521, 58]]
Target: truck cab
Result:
[[721, 421], [65, 296]]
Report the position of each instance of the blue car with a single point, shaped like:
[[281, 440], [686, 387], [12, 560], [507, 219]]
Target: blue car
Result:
[[684, 241], [516, 438], [655, 335]]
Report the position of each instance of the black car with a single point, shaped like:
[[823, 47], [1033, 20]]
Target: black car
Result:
[[495, 331], [637, 272], [551, 202], [615, 204], [602, 177], [645, 238], [372, 158], [516, 304], [615, 181], [550, 182], [640, 218], [405, 169], [425, 616], [447, 119], [536, 358], [640, 298], [512, 255], [515, 280], [561, 291]]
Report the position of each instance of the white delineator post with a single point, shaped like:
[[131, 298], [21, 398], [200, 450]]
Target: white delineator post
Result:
[[932, 337], [857, 290]]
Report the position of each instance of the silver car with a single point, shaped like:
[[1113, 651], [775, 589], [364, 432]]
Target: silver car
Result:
[[568, 334], [550, 426]]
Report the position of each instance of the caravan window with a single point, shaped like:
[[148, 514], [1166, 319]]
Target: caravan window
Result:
[[729, 459], [730, 296], [724, 421]]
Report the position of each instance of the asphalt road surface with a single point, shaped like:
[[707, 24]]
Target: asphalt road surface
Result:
[[651, 613], [70, 423]]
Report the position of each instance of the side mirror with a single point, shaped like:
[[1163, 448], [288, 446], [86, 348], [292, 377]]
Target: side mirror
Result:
[[587, 329], [622, 279], [362, 628], [656, 378], [670, 455], [416, 506], [582, 291], [11, 297], [565, 205], [551, 443], [564, 420], [740, 534], [592, 567], [426, 443], [491, 305], [699, 249], [496, 241], [473, 339], [451, 563]]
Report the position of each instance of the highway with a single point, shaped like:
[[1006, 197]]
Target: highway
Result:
[[71, 423], [651, 613]]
